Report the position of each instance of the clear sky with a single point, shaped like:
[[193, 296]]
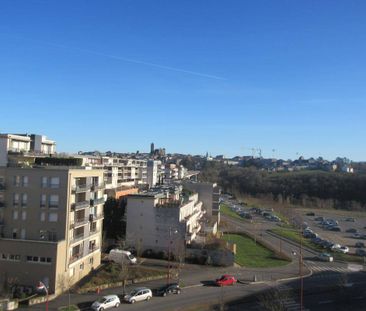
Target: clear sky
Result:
[[191, 76]]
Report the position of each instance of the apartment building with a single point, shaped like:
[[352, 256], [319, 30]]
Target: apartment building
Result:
[[209, 194], [163, 218], [50, 224], [15, 144]]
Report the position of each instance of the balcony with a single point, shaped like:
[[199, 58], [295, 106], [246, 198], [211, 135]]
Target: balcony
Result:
[[77, 238], [80, 205], [94, 231], [98, 201], [99, 186], [80, 188], [92, 249], [75, 257], [79, 222], [93, 217]]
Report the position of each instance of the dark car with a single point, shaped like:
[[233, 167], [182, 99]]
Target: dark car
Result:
[[168, 289], [310, 214], [351, 230], [335, 229], [360, 244]]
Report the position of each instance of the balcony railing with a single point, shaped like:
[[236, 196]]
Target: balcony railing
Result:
[[93, 217], [79, 222], [77, 238], [75, 257], [79, 205], [94, 231], [80, 188], [92, 249], [98, 186]]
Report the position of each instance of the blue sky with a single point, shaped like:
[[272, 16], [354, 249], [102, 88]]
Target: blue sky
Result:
[[191, 76]]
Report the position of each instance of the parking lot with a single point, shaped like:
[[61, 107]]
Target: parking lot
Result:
[[351, 225]]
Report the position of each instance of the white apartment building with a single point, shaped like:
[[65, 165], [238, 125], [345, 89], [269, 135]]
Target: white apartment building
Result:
[[15, 144], [163, 218]]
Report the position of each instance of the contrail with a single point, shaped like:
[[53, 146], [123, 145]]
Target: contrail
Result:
[[129, 60], [136, 61]]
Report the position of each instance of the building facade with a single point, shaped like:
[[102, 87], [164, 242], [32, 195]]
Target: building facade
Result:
[[50, 225]]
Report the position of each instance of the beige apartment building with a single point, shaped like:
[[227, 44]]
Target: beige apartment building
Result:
[[50, 224]]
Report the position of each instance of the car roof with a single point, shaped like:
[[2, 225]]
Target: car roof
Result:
[[141, 288], [110, 296]]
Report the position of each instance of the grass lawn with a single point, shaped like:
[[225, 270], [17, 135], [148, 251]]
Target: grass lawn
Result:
[[253, 255], [228, 212], [295, 236], [111, 273]]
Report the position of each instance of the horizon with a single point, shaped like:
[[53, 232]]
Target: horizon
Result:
[[193, 77]]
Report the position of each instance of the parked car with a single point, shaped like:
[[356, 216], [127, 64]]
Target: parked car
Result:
[[343, 249], [351, 219], [139, 294], [361, 252], [225, 280], [310, 214], [106, 302], [168, 289], [359, 244], [337, 229], [351, 230], [119, 256], [336, 246], [325, 257], [357, 236], [319, 218]]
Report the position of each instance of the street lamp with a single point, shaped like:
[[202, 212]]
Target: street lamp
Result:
[[42, 286], [169, 251]]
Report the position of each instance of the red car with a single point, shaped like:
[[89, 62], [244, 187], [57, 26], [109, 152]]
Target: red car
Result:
[[225, 280]]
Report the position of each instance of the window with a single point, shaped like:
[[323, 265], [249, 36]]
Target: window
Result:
[[44, 182], [82, 266], [43, 234], [24, 215], [15, 215], [55, 182], [72, 272], [43, 200], [15, 199], [43, 216], [22, 234], [24, 200], [91, 260], [52, 217], [53, 203], [37, 259], [10, 257], [16, 181], [15, 232], [25, 181]]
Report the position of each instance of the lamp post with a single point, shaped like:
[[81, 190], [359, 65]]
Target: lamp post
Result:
[[42, 286], [169, 251]]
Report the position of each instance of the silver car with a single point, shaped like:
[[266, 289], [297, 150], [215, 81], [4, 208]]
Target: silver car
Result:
[[139, 294], [106, 302]]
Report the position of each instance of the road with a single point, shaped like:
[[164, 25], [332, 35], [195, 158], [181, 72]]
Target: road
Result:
[[199, 293]]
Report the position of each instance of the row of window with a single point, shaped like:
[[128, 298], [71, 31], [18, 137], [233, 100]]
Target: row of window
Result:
[[12, 257], [52, 216], [46, 182], [53, 200], [39, 259]]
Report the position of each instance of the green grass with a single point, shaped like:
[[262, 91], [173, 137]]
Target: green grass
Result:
[[253, 255], [295, 236], [228, 212]]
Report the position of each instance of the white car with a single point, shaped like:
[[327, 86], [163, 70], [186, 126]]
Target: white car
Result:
[[106, 302], [139, 294], [343, 249], [336, 247]]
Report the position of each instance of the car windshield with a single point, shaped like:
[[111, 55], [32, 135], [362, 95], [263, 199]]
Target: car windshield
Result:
[[102, 300]]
